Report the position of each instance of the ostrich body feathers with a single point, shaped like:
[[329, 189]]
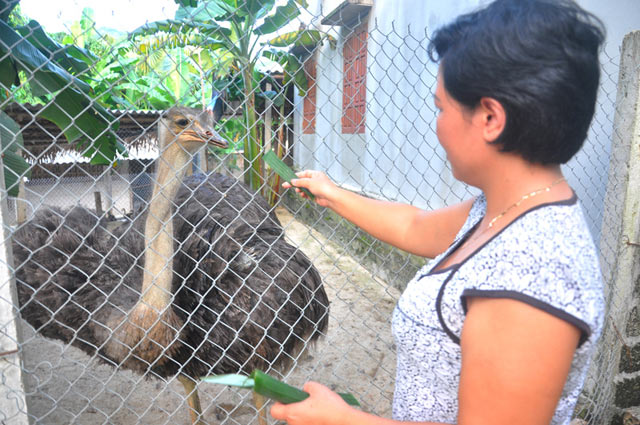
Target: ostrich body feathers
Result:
[[242, 297]]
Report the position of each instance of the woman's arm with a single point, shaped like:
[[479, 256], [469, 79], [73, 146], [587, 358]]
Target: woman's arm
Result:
[[424, 233], [515, 362]]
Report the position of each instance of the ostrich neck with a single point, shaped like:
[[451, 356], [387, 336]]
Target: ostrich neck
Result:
[[158, 235]]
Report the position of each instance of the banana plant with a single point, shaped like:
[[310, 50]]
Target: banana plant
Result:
[[173, 66], [236, 28], [56, 75]]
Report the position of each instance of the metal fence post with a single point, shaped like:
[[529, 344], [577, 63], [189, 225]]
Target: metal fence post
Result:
[[13, 406]]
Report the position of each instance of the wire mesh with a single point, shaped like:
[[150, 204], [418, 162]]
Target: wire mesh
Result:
[[379, 140]]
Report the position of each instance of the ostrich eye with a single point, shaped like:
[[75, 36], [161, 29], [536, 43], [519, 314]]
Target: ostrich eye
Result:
[[182, 122]]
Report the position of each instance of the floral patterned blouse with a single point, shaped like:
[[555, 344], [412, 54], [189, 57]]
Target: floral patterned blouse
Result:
[[545, 258]]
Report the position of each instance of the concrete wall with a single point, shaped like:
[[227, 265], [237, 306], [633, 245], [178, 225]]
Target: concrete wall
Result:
[[618, 363]]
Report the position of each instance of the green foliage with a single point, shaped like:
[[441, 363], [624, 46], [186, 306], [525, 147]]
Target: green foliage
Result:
[[14, 166], [36, 68], [6, 8], [208, 45], [233, 130], [232, 28], [16, 18]]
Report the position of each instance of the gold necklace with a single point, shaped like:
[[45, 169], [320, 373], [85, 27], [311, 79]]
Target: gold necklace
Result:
[[521, 200]]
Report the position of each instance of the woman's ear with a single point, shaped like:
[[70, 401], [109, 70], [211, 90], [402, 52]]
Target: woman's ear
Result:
[[494, 118]]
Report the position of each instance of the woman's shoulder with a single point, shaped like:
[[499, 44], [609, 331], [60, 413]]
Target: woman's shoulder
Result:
[[547, 255], [560, 225]]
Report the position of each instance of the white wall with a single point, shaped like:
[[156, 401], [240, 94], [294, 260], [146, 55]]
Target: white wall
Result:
[[399, 157]]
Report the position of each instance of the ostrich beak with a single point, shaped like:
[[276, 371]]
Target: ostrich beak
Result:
[[206, 135], [213, 138]]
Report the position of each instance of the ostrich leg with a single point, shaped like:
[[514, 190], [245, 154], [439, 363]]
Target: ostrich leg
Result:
[[193, 400], [259, 401]]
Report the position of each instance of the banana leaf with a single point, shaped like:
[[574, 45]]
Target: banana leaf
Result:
[[85, 123], [282, 16], [301, 38], [187, 3], [205, 12], [47, 76], [209, 36], [15, 166], [8, 73], [72, 107], [293, 69], [6, 7], [34, 33], [10, 135]]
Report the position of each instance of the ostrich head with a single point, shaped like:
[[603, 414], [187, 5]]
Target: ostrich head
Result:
[[187, 129]]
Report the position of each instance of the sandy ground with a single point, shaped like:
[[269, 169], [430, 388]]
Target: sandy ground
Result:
[[66, 386]]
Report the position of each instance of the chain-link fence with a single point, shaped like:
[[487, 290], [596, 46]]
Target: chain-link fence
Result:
[[128, 286]]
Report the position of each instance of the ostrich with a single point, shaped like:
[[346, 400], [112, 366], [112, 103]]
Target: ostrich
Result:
[[202, 283]]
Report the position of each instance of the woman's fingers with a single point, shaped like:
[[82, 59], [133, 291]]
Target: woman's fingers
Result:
[[319, 407], [278, 411], [315, 182]]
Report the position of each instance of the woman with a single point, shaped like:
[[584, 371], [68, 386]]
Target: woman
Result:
[[499, 328]]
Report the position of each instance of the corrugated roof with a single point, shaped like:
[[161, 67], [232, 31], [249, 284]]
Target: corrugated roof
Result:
[[46, 143]]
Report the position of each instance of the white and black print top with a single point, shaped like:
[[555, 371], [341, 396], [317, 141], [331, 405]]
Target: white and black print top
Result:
[[545, 258]]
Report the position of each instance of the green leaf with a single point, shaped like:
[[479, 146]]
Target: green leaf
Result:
[[301, 82], [263, 7], [292, 67], [234, 380], [255, 9], [10, 134], [83, 55], [6, 7], [202, 37], [8, 73], [282, 16], [283, 170], [15, 167], [299, 38], [269, 387], [279, 56], [276, 97], [36, 35], [187, 3], [122, 103], [167, 25], [46, 76], [205, 12], [275, 389], [85, 123]]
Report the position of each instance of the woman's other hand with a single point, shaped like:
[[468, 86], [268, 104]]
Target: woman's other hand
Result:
[[323, 407]]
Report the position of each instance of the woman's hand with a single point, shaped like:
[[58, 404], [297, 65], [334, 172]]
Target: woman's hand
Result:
[[323, 407], [317, 183]]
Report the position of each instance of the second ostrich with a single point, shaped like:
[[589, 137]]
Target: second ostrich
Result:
[[203, 283]]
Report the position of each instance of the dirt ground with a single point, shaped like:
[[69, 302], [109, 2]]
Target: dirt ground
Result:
[[66, 386]]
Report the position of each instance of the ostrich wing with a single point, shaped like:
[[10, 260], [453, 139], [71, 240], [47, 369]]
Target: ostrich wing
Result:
[[72, 272]]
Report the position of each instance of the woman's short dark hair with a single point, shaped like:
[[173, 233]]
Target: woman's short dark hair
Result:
[[539, 59]]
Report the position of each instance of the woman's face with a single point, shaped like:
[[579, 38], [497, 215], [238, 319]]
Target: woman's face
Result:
[[458, 132]]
